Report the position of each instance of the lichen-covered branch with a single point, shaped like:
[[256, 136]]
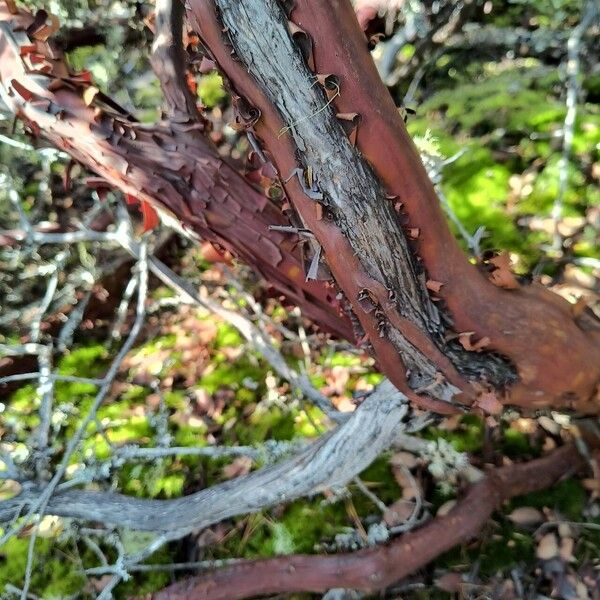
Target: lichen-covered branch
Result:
[[331, 461]]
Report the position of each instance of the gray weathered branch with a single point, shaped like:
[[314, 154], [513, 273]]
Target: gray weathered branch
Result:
[[331, 461]]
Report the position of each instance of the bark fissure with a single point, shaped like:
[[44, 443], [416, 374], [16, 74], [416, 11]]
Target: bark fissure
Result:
[[521, 329], [357, 202]]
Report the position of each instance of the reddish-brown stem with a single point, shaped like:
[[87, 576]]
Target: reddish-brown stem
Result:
[[377, 568]]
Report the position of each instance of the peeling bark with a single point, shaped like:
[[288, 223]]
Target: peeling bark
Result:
[[375, 213], [172, 165]]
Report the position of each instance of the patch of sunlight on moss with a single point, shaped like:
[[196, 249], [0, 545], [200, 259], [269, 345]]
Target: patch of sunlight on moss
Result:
[[186, 435], [309, 422], [373, 378], [134, 394], [169, 486], [175, 399], [163, 342], [54, 576], [477, 193], [407, 51], [114, 410], [163, 292], [135, 429], [515, 443], [228, 374], [211, 90], [88, 361], [95, 446], [65, 391], [341, 359], [279, 313], [23, 399], [227, 336], [318, 381]]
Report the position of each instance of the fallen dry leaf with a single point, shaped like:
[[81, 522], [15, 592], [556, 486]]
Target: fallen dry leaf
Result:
[[547, 547], [489, 403], [240, 466], [445, 508], [526, 515], [566, 549], [399, 512], [450, 582], [404, 458]]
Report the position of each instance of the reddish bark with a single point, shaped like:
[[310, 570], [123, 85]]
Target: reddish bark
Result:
[[527, 344], [555, 354], [172, 166], [377, 568]]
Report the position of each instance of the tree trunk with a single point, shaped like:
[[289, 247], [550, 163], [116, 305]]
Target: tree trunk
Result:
[[172, 165], [445, 332]]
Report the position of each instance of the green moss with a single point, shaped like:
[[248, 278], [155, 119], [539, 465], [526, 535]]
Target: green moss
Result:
[[301, 527], [567, 497], [85, 361], [55, 574], [515, 443], [227, 336], [210, 90], [466, 437], [385, 487], [224, 373], [498, 105]]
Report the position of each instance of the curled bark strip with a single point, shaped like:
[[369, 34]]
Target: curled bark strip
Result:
[[377, 568], [331, 461], [350, 123], [171, 166], [529, 328], [304, 42]]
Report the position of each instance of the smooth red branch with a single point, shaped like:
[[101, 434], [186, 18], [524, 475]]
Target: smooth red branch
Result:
[[378, 568]]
